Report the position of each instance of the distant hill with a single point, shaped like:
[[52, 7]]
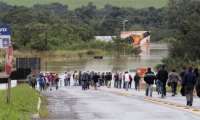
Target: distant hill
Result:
[[99, 3]]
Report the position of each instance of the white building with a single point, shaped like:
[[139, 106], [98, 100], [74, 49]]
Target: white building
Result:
[[105, 38]]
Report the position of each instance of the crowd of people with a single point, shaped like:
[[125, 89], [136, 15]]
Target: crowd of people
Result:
[[188, 79], [97, 79], [44, 80]]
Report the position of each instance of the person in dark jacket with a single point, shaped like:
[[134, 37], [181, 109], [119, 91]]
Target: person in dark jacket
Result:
[[32, 80], [84, 80], [96, 79], [189, 82], [103, 79], [57, 79], [108, 79], [137, 81], [149, 78], [162, 76], [88, 82], [196, 72], [120, 80], [182, 73], [79, 78], [116, 80], [100, 79], [130, 82]]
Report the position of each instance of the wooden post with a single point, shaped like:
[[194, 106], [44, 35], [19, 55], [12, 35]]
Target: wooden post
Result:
[[5, 79], [8, 91]]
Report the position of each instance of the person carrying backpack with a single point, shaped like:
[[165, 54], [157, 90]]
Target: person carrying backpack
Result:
[[189, 82]]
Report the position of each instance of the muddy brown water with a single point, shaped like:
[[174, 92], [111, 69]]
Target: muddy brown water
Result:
[[109, 63]]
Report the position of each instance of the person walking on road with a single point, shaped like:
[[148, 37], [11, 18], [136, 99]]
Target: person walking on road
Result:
[[51, 80], [103, 79], [41, 82], [79, 78], [120, 80], [127, 80], [95, 78], [162, 76], [116, 80], [32, 80], [137, 81], [197, 87], [189, 82], [182, 73], [65, 78], [84, 80], [173, 80], [57, 79], [149, 78], [130, 81], [68, 78], [108, 79], [76, 78], [123, 78]]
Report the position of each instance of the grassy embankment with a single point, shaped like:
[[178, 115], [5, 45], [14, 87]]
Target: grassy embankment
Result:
[[23, 104], [72, 4]]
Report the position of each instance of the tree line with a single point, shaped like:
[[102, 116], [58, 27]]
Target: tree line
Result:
[[184, 18], [62, 28], [54, 26]]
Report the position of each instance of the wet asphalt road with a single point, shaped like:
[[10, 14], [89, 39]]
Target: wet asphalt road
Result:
[[75, 104]]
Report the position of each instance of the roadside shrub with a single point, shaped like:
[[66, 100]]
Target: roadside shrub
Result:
[[90, 52]]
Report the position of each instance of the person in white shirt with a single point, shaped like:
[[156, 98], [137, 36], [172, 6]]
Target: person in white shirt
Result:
[[127, 80]]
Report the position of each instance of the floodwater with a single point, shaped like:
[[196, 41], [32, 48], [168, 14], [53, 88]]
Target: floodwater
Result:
[[110, 63]]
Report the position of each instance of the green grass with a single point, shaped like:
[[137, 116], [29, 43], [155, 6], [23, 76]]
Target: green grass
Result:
[[23, 103], [99, 3], [43, 108]]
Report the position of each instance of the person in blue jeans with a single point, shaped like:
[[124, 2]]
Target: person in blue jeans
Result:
[[159, 87], [41, 81]]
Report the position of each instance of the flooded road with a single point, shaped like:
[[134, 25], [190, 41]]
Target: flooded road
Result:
[[110, 63], [71, 103]]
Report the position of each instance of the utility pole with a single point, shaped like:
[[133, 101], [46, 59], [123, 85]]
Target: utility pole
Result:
[[46, 49], [8, 97], [124, 29], [124, 24]]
